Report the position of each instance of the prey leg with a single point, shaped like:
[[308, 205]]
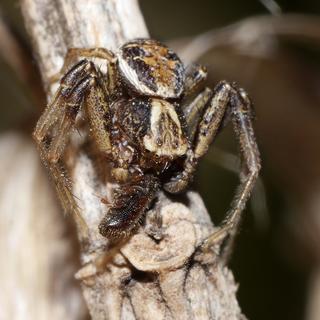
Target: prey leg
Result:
[[130, 202]]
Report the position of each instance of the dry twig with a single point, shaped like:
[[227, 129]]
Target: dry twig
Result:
[[255, 36], [38, 260], [16, 55]]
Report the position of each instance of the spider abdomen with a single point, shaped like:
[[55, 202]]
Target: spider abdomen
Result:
[[151, 68]]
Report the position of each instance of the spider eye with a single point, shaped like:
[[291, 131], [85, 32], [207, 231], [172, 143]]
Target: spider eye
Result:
[[151, 68]]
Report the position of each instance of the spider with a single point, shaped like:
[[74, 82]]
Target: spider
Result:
[[152, 119]]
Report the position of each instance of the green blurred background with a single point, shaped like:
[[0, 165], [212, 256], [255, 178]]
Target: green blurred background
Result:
[[276, 253]]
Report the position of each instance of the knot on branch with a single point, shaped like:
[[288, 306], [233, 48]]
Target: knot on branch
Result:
[[179, 240]]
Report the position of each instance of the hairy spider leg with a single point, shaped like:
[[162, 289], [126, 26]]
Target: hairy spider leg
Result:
[[212, 114], [98, 114], [193, 111], [56, 109], [83, 83], [54, 117], [228, 102], [131, 201]]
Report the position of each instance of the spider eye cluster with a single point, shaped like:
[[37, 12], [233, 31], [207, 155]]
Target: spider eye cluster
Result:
[[152, 69]]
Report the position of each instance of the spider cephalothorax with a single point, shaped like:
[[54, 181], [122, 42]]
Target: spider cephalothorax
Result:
[[152, 120]]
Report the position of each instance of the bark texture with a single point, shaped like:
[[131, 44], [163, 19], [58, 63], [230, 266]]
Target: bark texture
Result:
[[167, 279], [36, 273]]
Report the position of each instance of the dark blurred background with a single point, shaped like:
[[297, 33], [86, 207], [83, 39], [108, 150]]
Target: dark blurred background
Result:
[[277, 253]]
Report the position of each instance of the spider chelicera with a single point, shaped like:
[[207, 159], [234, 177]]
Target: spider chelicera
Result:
[[153, 120]]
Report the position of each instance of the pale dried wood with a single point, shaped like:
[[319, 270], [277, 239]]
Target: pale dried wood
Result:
[[37, 251], [255, 36], [145, 279]]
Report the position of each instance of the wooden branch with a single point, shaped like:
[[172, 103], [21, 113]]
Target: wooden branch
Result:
[[168, 279], [256, 36], [38, 249]]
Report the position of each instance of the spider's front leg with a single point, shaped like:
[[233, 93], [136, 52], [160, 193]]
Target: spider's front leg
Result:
[[130, 202], [227, 102], [82, 84]]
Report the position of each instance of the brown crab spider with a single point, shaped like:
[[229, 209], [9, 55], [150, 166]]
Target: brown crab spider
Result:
[[143, 122]]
